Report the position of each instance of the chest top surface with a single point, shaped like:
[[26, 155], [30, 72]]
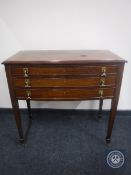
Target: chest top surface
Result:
[[63, 57]]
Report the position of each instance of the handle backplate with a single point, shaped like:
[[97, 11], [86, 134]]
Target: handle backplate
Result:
[[25, 71], [103, 70], [101, 93], [27, 83], [28, 93], [102, 82]]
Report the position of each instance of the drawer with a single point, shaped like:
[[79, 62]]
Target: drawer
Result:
[[63, 70], [64, 94], [93, 70], [38, 71], [64, 82]]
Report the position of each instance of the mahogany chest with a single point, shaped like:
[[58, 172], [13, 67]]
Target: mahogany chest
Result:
[[64, 75]]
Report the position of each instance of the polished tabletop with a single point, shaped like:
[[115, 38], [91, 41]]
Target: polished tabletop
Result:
[[63, 56]]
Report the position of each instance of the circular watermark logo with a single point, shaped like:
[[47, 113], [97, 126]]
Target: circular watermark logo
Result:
[[115, 159]]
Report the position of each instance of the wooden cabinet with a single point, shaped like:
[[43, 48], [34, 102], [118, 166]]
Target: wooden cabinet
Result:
[[64, 75]]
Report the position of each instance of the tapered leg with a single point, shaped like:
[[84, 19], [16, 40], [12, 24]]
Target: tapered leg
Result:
[[100, 109], [18, 120], [114, 103], [29, 108], [111, 120]]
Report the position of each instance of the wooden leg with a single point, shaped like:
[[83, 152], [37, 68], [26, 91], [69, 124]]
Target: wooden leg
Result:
[[111, 120], [100, 109], [114, 104], [29, 108], [15, 106], [18, 120]]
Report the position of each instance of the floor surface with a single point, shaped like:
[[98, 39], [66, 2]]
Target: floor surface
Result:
[[63, 142]]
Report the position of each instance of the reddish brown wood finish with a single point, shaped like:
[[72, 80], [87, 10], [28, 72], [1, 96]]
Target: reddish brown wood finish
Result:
[[58, 70], [64, 75], [64, 82], [66, 94], [64, 57]]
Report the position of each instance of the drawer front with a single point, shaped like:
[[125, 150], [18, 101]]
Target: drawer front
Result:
[[64, 94], [63, 70], [59, 82], [93, 70], [38, 71]]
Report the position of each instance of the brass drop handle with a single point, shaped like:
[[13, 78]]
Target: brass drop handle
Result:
[[101, 93], [103, 70], [102, 82], [28, 93], [27, 83], [25, 71]]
